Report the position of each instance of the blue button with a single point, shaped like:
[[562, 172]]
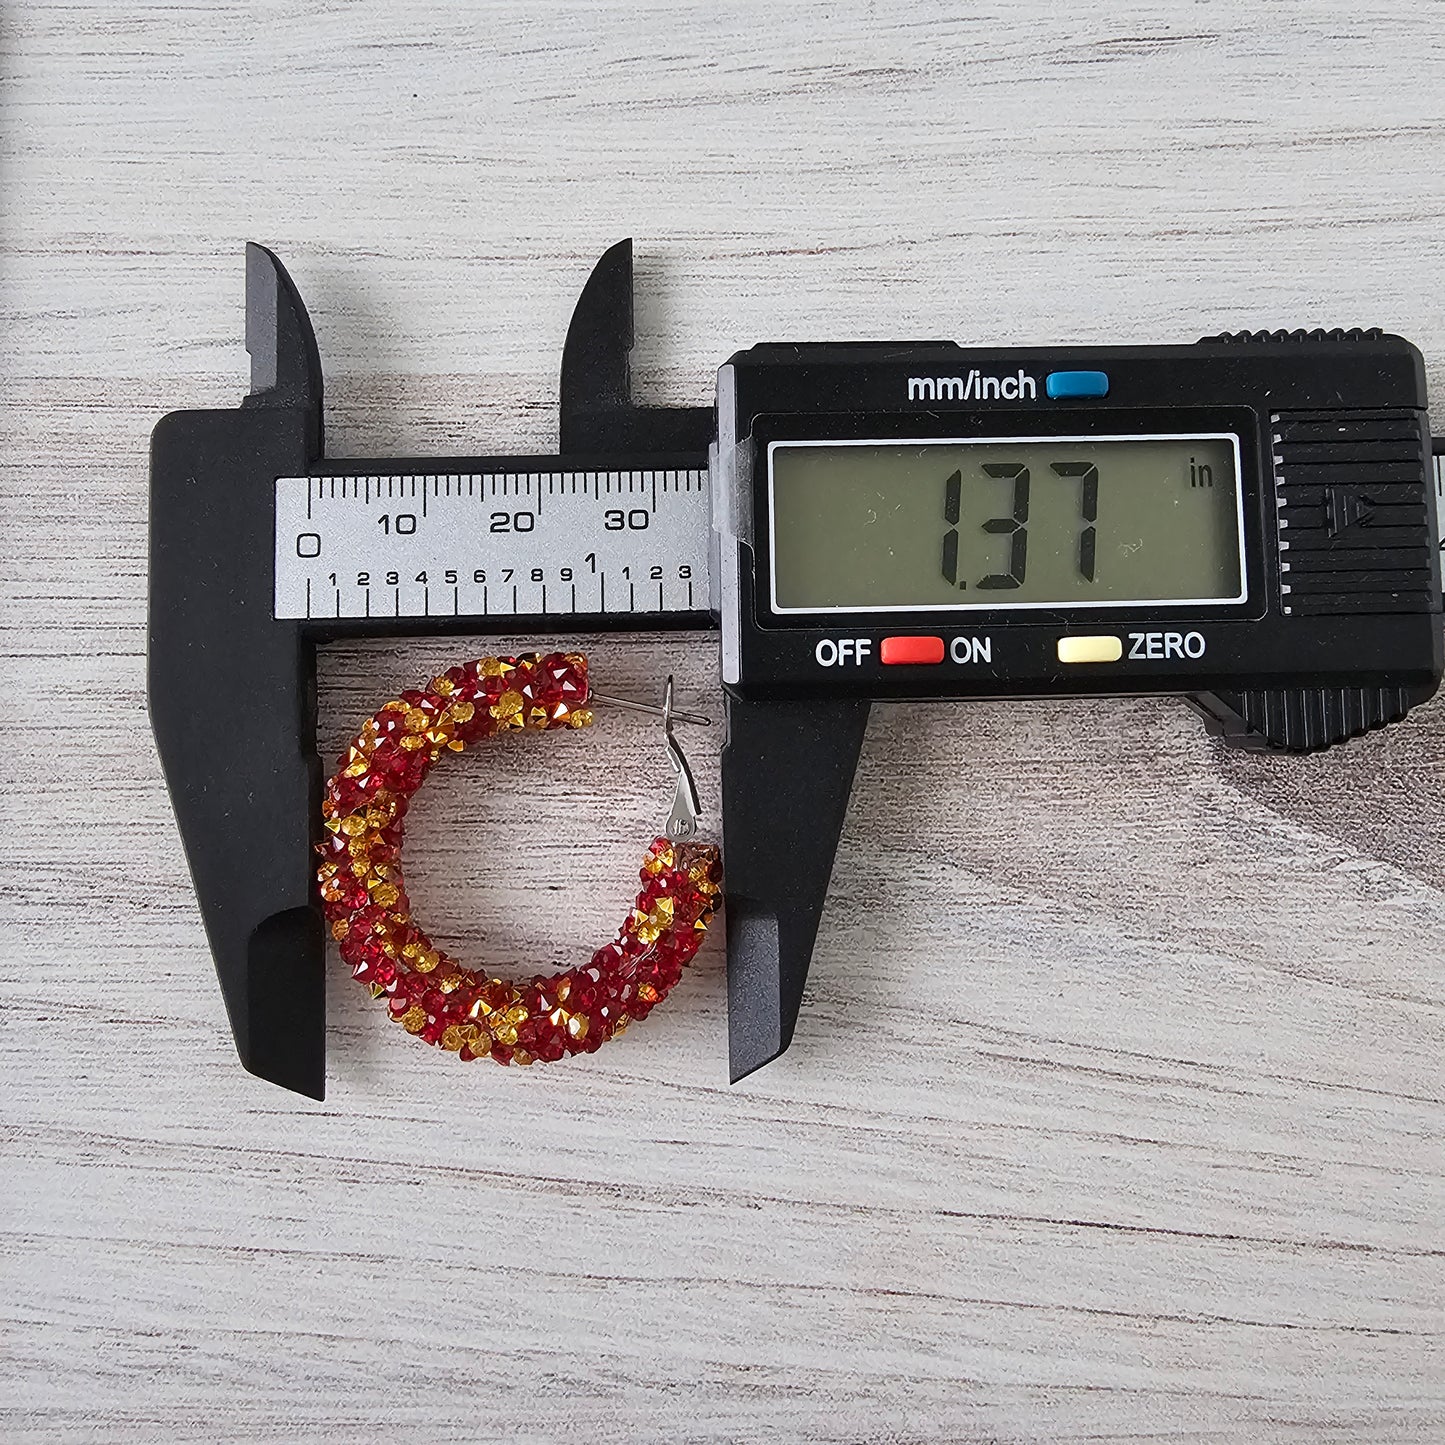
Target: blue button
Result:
[[1062, 384]]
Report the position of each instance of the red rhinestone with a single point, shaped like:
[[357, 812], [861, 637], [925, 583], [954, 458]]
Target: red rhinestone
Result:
[[352, 892], [550, 1047]]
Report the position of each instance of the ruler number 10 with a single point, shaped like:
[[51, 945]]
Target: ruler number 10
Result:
[[403, 524]]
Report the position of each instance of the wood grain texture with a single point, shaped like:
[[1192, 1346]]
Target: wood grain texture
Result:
[[1115, 1112]]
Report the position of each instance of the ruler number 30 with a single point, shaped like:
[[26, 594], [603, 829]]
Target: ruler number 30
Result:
[[617, 520]]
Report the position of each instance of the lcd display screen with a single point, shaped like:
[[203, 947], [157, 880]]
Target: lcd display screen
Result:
[[1061, 522]]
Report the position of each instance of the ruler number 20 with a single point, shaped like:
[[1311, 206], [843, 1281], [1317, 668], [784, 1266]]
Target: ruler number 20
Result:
[[512, 522]]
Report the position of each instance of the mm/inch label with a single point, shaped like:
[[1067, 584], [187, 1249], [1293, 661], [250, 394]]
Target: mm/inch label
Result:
[[494, 544]]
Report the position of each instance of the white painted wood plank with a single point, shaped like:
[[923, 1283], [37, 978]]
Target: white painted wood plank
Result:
[[1115, 1108]]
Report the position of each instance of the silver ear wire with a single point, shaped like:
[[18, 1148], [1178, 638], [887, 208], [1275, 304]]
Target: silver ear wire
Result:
[[682, 819]]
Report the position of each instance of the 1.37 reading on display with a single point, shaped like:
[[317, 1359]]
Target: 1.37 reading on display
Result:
[[1007, 522]]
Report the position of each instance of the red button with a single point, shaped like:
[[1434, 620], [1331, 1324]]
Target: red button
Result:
[[910, 649]]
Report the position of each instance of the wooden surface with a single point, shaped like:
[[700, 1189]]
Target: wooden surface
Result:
[[1115, 1111]]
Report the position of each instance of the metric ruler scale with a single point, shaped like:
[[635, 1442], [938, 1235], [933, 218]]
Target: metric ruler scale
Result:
[[515, 544]]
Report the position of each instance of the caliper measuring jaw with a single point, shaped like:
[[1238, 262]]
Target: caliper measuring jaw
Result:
[[232, 685]]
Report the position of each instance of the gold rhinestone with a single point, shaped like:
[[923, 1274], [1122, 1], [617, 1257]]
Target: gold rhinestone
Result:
[[340, 929], [505, 1034], [426, 960], [451, 1038], [385, 894], [564, 987], [648, 994], [521, 1056], [444, 685], [396, 705], [480, 1009], [359, 848], [577, 1026], [461, 711], [414, 1019], [451, 982], [620, 1027], [516, 1014], [353, 826], [415, 720], [580, 717], [493, 667], [508, 705]]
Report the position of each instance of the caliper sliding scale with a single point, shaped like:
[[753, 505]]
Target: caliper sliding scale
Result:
[[1319, 621]]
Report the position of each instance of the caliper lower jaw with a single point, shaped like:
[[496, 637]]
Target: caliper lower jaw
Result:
[[787, 774], [232, 691]]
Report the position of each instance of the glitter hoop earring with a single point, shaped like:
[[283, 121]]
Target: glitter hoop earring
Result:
[[364, 894]]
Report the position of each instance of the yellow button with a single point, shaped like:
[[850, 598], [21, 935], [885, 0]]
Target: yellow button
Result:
[[1091, 649]]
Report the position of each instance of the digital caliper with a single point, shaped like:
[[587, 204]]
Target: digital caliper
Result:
[[1248, 522]]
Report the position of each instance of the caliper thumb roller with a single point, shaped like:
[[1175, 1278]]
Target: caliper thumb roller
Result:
[[1247, 522]]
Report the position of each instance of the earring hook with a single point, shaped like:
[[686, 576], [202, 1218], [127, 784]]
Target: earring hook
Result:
[[686, 810], [682, 820]]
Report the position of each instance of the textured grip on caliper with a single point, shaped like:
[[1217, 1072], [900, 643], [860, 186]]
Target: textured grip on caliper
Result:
[[787, 772], [232, 691]]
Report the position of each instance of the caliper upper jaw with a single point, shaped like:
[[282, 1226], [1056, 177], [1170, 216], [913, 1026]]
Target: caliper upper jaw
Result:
[[232, 691], [597, 411]]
